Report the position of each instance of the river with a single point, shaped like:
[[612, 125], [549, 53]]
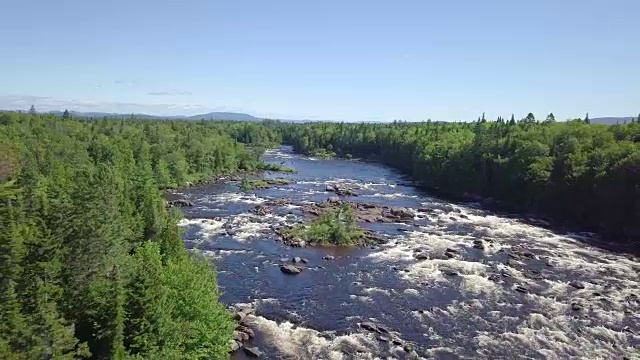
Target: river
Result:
[[580, 301]]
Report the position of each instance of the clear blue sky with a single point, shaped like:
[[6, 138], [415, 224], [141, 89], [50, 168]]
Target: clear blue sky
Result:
[[341, 60]]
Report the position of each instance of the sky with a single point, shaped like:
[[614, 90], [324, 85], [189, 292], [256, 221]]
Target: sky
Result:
[[324, 60]]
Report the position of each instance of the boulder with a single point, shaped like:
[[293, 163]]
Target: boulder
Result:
[[522, 289], [233, 345], [577, 284], [402, 213], [245, 330], [299, 260], [180, 203], [421, 256], [449, 255], [369, 326], [382, 338], [239, 336], [290, 269], [261, 210], [329, 257], [252, 351], [330, 188], [242, 313], [334, 200], [576, 307], [383, 329]]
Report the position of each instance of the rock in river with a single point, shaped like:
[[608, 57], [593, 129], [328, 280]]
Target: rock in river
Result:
[[577, 284], [233, 345], [240, 336], [329, 257], [299, 260], [370, 326], [252, 351], [245, 330], [290, 269], [180, 203]]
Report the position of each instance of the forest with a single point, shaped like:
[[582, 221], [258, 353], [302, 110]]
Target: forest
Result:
[[92, 264], [586, 174]]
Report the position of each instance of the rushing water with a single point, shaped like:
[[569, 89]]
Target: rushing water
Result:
[[463, 307]]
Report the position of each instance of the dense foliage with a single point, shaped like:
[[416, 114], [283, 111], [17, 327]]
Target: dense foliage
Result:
[[585, 173], [92, 264], [258, 184], [336, 227]]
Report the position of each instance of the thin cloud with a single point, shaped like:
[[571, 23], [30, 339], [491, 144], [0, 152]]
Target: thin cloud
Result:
[[168, 93], [44, 104], [127, 83]]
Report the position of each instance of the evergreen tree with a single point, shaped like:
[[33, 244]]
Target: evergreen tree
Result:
[[32, 110], [66, 114], [530, 118], [586, 119], [550, 118]]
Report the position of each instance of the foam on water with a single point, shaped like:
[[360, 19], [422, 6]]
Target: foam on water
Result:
[[207, 227], [393, 196], [234, 197], [242, 227], [298, 342], [542, 323]]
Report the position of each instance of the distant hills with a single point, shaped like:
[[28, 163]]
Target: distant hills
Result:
[[611, 120], [224, 116], [208, 116], [233, 116]]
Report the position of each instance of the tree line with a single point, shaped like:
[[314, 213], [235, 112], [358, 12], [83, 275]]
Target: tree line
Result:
[[576, 171], [92, 264]]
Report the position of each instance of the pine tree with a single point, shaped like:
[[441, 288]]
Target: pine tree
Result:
[[550, 118], [148, 319], [66, 114], [530, 118], [32, 110], [586, 119]]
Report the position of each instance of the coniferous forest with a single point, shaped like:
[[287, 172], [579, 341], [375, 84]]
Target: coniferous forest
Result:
[[93, 264], [587, 174]]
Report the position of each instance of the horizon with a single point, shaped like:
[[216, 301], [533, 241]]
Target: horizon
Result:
[[182, 117], [330, 61]]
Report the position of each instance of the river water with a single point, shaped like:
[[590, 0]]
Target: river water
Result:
[[582, 302]]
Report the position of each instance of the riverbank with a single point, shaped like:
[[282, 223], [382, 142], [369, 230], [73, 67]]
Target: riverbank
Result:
[[606, 239], [455, 281]]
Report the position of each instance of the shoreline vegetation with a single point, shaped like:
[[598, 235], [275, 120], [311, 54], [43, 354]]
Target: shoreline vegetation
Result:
[[333, 227], [577, 172], [93, 264], [258, 184]]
